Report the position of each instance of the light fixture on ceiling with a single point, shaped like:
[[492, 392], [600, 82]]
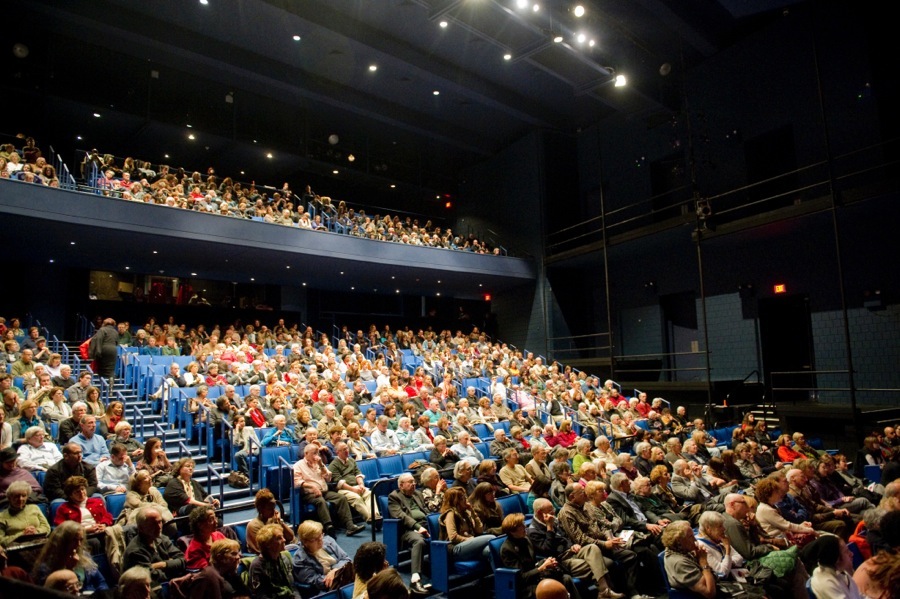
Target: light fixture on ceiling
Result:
[[204, 2], [334, 172], [621, 81], [333, 139], [536, 7], [578, 11], [269, 155], [297, 38], [189, 126], [393, 186], [191, 136], [581, 38], [443, 24], [373, 67], [97, 115], [591, 43], [507, 56], [523, 4], [557, 39], [436, 93], [351, 158]]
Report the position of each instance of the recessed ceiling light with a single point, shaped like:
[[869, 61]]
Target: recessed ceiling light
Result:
[[536, 7], [352, 288], [191, 136], [507, 56], [578, 11], [51, 260], [393, 186], [558, 39], [189, 126], [334, 172], [373, 67], [351, 158], [581, 38], [71, 243], [242, 172], [165, 155], [97, 114], [288, 267], [78, 137], [398, 291], [621, 81], [155, 252], [392, 278], [522, 3], [436, 93], [591, 43], [127, 268], [252, 279], [439, 294], [193, 274], [480, 285], [439, 281], [304, 284], [269, 155], [342, 272], [204, 2], [296, 38], [443, 24], [254, 141]]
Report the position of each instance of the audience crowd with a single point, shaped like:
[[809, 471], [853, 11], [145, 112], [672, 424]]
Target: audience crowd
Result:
[[611, 481]]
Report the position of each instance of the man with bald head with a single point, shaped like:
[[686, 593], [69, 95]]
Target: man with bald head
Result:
[[550, 588]]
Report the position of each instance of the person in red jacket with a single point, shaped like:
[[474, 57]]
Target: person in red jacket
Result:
[[90, 512]]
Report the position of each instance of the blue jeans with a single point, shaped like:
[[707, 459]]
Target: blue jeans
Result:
[[473, 549]]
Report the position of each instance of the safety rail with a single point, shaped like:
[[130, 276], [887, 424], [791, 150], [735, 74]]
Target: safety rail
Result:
[[66, 180]]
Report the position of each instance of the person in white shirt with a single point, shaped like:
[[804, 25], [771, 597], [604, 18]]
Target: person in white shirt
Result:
[[35, 454], [720, 555], [466, 450], [384, 440], [832, 578], [113, 474]]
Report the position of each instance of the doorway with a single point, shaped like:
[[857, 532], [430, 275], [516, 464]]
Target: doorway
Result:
[[785, 331]]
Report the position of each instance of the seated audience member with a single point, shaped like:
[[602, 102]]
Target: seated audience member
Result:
[[833, 578], [561, 477], [6, 436], [155, 462], [802, 447], [70, 427], [27, 418], [654, 507], [279, 436], [36, 454], [312, 478], [513, 474], [135, 583], [879, 576], [21, 518], [67, 549], [11, 473], [627, 509], [387, 584], [70, 465], [122, 436], [153, 550], [831, 493], [56, 408], [687, 566], [518, 552], [785, 452], [368, 561], [441, 455], [769, 493], [823, 517], [113, 474], [485, 506], [204, 524], [464, 478], [407, 505], [266, 513], [93, 446], [244, 442], [689, 486], [183, 493], [220, 580], [713, 540], [89, 512], [63, 581], [141, 492], [320, 562], [271, 573], [462, 528], [466, 450], [433, 488], [350, 482]]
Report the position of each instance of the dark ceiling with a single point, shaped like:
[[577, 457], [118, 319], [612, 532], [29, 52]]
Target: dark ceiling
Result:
[[233, 71]]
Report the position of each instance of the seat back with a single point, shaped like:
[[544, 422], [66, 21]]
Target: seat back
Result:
[[369, 469], [495, 545], [390, 465], [434, 526], [115, 502], [511, 504]]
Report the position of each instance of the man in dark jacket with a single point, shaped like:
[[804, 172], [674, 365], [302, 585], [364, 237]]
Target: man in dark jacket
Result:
[[153, 550], [518, 553], [70, 465], [407, 505]]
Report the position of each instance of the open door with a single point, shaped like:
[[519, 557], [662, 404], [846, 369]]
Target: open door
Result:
[[785, 331]]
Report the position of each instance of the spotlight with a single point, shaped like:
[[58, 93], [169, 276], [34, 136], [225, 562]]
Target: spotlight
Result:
[[578, 11], [581, 38], [443, 24], [591, 43], [557, 39], [522, 3], [536, 7], [333, 139], [621, 81], [507, 56], [351, 158], [436, 93], [269, 155], [191, 136], [373, 67], [297, 38]]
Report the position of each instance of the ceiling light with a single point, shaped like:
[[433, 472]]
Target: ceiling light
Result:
[[581, 38], [78, 137], [393, 186], [591, 43], [558, 39], [155, 252], [189, 126], [373, 67], [334, 172], [296, 38], [436, 93], [71, 243], [252, 279], [204, 2], [97, 115], [127, 268], [165, 155], [536, 7], [578, 11], [351, 158], [507, 56], [352, 288], [522, 3], [51, 260], [269, 155], [191, 136], [398, 291], [242, 172], [304, 284], [193, 274], [439, 294], [288, 267], [621, 81], [443, 24]]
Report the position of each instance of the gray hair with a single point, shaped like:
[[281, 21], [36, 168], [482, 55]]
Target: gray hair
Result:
[[383, 420], [460, 466], [406, 476], [541, 504], [672, 441], [640, 447], [710, 520], [428, 475], [583, 444], [19, 486], [622, 457], [601, 439], [134, 575], [616, 480], [142, 512], [79, 404]]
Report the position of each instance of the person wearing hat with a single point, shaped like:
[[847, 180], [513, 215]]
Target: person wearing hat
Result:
[[42, 353], [10, 473]]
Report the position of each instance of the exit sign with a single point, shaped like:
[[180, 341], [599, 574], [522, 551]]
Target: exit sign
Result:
[[780, 288]]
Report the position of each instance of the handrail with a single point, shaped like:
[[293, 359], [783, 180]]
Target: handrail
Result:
[[210, 471], [251, 442]]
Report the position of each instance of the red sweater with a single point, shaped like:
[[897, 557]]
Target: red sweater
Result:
[[70, 511]]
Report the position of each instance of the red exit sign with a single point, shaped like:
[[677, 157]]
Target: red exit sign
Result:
[[781, 288]]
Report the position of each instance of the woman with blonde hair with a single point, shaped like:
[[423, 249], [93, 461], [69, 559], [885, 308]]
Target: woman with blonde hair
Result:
[[67, 549], [462, 527], [320, 562]]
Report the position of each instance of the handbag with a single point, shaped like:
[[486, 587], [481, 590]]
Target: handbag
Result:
[[238, 480], [343, 576]]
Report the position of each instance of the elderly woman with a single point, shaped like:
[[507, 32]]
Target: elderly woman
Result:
[[21, 518], [406, 435], [204, 525], [626, 466], [720, 555], [769, 492], [441, 455], [57, 408], [141, 492], [660, 478], [320, 562], [433, 489], [37, 454], [513, 474], [122, 436], [562, 473], [220, 580], [266, 513], [423, 434], [67, 549], [270, 573], [486, 472], [582, 454], [463, 476], [687, 566], [183, 493]]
